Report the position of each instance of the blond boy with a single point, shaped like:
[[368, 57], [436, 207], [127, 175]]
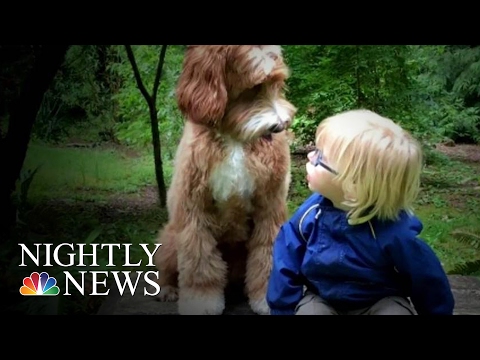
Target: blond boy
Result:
[[352, 248]]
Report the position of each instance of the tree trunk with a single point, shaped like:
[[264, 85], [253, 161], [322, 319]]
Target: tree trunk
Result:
[[157, 154], [13, 147], [151, 101], [162, 190]]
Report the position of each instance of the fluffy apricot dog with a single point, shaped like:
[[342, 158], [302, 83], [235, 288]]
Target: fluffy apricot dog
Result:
[[227, 199]]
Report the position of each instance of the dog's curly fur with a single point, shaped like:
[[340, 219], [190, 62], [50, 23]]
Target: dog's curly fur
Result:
[[227, 199]]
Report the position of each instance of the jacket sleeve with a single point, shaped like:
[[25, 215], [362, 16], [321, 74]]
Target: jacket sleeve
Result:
[[285, 287], [430, 290]]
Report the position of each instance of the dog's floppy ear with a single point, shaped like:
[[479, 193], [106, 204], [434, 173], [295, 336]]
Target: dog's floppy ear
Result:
[[201, 89]]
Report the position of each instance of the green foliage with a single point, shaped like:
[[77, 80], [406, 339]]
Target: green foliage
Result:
[[95, 97], [461, 65], [329, 79], [449, 176], [468, 268], [470, 237], [432, 90], [304, 126], [447, 205], [134, 126], [81, 92], [445, 103], [434, 157], [21, 193], [298, 190]]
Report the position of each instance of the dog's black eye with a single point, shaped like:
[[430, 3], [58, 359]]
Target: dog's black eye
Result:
[[250, 94], [258, 87]]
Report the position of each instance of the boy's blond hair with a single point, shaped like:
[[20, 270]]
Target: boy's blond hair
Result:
[[378, 163]]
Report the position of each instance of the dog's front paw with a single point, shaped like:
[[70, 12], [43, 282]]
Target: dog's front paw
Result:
[[260, 307], [167, 293], [194, 303]]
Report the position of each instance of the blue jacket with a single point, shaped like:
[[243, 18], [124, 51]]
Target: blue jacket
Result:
[[354, 266]]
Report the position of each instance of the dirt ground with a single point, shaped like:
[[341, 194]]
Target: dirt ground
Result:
[[463, 152]]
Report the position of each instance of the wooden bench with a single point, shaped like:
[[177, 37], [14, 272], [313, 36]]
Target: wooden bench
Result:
[[466, 290]]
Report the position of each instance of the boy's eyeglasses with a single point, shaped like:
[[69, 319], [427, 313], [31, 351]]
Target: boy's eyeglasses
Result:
[[317, 160]]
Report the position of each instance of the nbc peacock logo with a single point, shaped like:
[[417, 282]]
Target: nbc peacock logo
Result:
[[39, 284]]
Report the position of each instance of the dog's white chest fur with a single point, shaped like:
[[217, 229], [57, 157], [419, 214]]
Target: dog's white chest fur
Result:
[[231, 176]]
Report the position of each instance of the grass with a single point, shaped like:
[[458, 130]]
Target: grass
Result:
[[86, 172], [449, 201], [437, 232], [105, 196]]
